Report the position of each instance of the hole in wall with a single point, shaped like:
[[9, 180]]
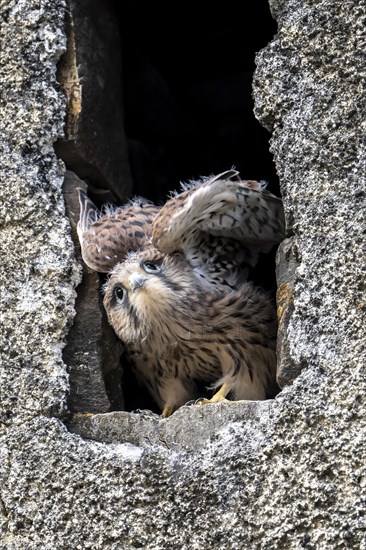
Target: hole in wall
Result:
[[186, 98], [188, 93]]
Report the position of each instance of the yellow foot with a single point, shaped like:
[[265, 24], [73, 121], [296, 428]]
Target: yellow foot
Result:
[[168, 410], [219, 397]]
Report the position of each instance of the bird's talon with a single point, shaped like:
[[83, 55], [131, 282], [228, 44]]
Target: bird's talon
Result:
[[201, 401]]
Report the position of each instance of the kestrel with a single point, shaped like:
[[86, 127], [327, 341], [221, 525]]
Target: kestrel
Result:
[[178, 294]]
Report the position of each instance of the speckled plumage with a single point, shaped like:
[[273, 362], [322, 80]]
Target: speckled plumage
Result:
[[179, 297], [106, 236], [177, 333]]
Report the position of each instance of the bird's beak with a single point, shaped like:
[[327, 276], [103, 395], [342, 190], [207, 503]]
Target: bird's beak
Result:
[[136, 281]]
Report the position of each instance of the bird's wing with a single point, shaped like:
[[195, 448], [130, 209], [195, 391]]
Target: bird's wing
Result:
[[222, 207], [107, 235]]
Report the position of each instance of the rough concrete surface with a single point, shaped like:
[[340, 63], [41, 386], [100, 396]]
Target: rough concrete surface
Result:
[[293, 479], [38, 271]]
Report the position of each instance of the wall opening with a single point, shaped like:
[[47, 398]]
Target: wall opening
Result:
[[175, 86]]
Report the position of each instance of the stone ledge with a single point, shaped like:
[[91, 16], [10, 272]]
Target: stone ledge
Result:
[[190, 427]]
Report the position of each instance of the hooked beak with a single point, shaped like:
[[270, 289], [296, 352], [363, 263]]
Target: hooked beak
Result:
[[136, 281]]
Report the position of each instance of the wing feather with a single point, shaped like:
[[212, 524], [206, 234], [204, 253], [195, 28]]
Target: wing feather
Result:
[[221, 207], [106, 236], [221, 223]]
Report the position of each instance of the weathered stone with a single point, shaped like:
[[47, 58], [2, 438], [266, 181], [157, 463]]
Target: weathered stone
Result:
[[90, 75], [294, 477], [83, 353], [37, 268], [313, 100], [189, 428]]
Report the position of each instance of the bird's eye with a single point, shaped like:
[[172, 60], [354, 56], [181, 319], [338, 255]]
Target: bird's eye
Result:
[[119, 293], [151, 267]]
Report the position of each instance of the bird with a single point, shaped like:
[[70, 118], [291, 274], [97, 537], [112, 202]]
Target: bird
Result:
[[179, 294]]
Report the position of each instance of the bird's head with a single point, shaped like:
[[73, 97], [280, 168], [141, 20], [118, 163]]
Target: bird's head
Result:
[[144, 292]]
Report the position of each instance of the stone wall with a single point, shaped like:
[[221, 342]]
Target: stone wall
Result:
[[287, 473]]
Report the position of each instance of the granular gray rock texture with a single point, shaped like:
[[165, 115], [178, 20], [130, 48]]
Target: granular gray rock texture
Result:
[[291, 477], [37, 268]]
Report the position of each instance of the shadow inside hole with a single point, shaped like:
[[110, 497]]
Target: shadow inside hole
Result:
[[188, 93]]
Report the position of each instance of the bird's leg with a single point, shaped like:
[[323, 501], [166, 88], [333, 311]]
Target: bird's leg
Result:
[[168, 410], [220, 396]]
